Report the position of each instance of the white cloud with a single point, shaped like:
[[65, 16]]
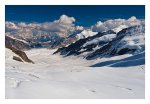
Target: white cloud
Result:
[[64, 19], [10, 26], [99, 27], [22, 24], [63, 27], [79, 28], [133, 21], [116, 24], [64, 24]]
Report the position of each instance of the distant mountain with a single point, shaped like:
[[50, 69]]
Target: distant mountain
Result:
[[51, 41], [36, 42], [63, 32]]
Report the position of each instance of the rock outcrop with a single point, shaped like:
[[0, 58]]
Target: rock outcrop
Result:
[[20, 53], [17, 58], [18, 44]]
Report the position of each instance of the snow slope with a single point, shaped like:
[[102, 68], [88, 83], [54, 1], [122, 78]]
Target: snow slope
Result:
[[53, 76], [133, 60]]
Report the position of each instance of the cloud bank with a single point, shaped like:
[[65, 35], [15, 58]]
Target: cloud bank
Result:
[[116, 24], [65, 26]]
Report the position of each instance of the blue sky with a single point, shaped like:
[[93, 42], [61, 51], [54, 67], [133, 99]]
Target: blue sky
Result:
[[85, 15]]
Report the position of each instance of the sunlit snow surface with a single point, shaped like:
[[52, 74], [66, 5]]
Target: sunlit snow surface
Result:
[[53, 76]]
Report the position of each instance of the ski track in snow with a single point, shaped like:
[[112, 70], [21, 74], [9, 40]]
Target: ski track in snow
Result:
[[53, 76]]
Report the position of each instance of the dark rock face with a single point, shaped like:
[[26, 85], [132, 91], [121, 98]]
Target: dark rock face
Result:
[[17, 58], [16, 43], [110, 48], [100, 51], [19, 53], [105, 49], [125, 50]]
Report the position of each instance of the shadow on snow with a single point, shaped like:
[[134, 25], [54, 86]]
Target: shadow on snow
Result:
[[135, 60]]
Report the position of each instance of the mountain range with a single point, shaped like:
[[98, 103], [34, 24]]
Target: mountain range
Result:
[[104, 39]]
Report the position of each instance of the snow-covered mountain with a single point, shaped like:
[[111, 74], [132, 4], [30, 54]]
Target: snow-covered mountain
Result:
[[108, 38], [77, 35], [78, 46], [47, 34], [63, 31], [129, 40]]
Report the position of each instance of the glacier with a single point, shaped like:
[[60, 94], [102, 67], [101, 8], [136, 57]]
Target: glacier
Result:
[[53, 76]]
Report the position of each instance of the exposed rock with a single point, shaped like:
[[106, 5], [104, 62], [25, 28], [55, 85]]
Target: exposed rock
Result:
[[119, 47], [19, 53], [125, 50], [77, 48], [129, 40], [18, 44], [100, 51], [17, 58]]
